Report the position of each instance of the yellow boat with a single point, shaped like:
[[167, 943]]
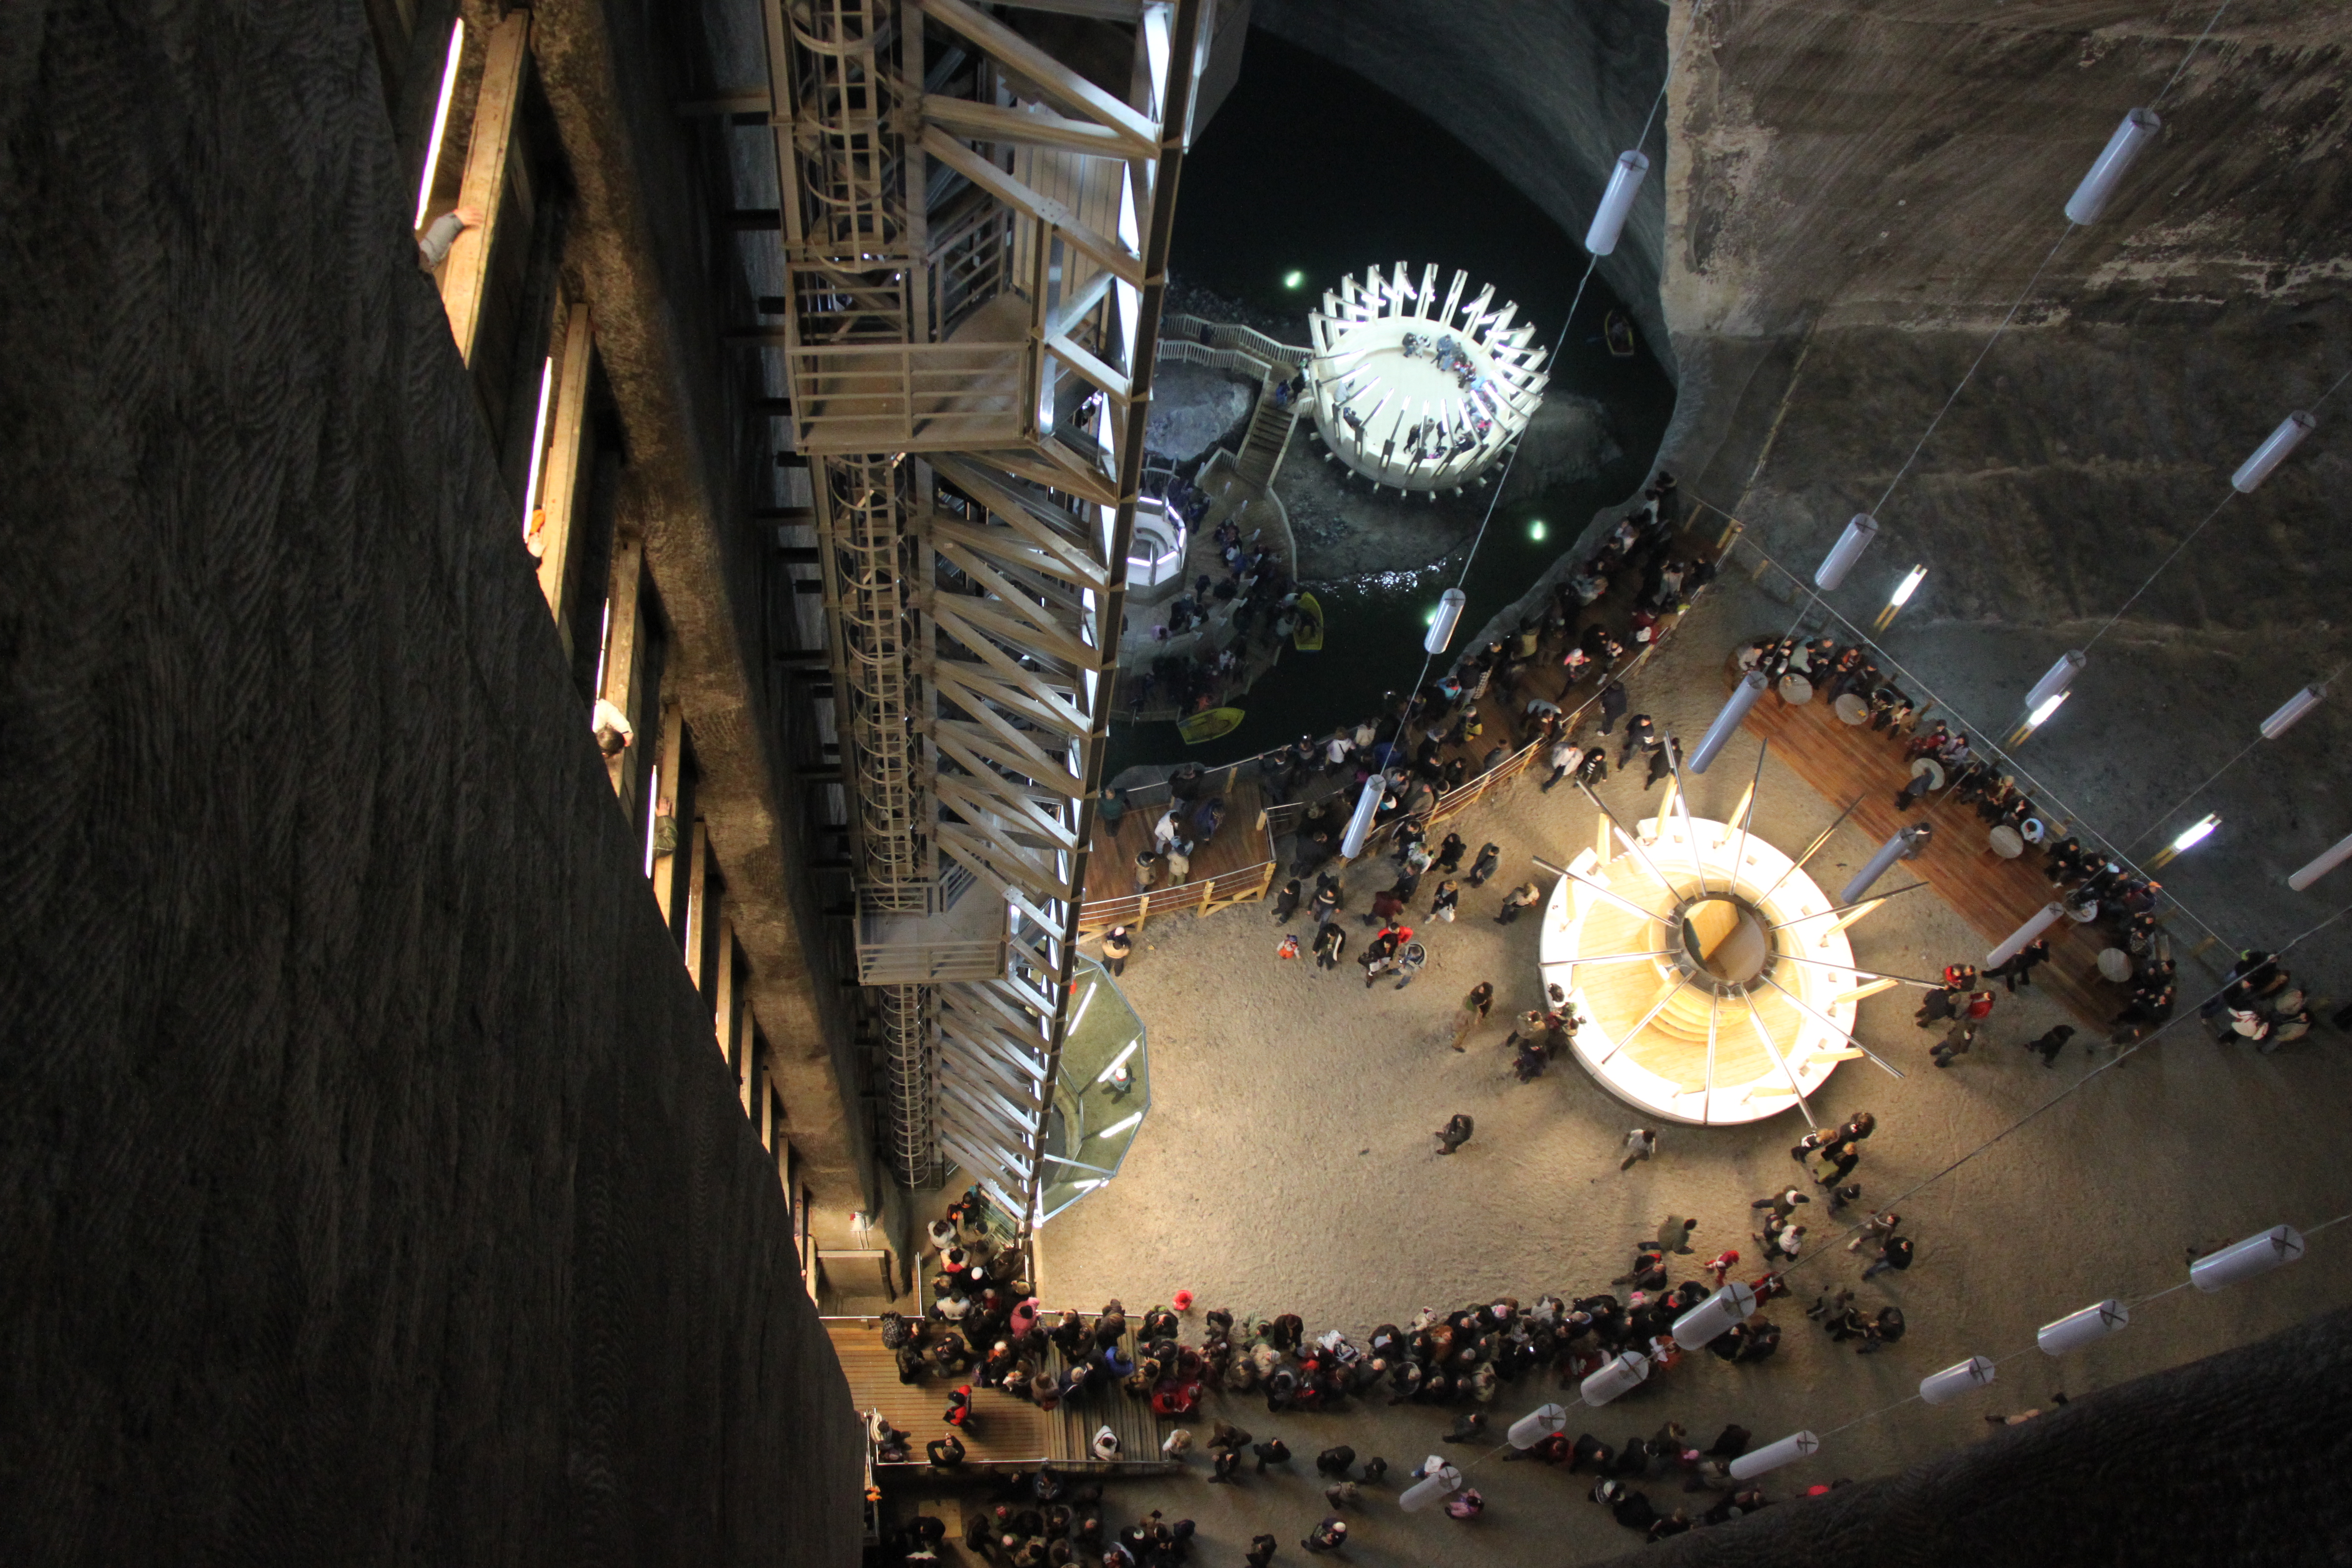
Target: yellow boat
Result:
[[1307, 635], [1208, 726]]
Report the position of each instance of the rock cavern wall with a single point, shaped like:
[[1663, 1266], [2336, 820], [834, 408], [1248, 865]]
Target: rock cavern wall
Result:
[[1548, 92], [372, 1190], [2227, 1460]]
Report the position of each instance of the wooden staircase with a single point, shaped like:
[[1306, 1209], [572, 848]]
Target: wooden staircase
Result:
[[1268, 437]]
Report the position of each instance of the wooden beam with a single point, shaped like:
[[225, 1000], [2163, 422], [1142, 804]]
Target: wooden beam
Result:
[[559, 485], [621, 645], [697, 908], [1018, 196], [1057, 82], [722, 990], [990, 122], [466, 281], [672, 762]]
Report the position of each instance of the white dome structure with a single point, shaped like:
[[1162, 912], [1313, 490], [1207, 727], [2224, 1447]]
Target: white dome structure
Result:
[[1715, 983], [1417, 392]]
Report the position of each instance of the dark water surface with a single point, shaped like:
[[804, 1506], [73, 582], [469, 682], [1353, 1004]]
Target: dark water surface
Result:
[[1311, 168]]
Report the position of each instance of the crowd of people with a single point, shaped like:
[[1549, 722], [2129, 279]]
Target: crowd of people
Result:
[[986, 1330]]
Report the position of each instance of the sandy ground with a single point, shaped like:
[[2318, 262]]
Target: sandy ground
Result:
[[1288, 1164]]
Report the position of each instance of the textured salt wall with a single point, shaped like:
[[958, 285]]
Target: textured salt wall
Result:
[[369, 1186], [2234, 1460]]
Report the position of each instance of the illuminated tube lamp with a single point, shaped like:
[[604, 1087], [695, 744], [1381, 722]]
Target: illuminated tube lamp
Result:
[[2056, 680], [2320, 867], [1878, 865], [2290, 712], [1859, 532], [2280, 1245], [2107, 170], [1622, 1376], [1616, 202], [1360, 826], [1943, 1387], [2045, 917], [1726, 722], [1715, 1315], [2197, 832], [2273, 452], [2075, 1329], [1438, 1478], [1537, 1425], [1773, 1456], [1449, 616]]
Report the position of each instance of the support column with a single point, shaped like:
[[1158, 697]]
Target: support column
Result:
[[672, 762], [722, 990], [464, 282], [560, 486], [621, 645], [697, 909]]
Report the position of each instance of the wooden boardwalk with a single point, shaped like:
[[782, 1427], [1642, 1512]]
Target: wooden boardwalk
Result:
[[1007, 1431], [1995, 896]]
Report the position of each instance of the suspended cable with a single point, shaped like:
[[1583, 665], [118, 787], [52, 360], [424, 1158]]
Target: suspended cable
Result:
[[2018, 304], [2179, 70], [1978, 741]]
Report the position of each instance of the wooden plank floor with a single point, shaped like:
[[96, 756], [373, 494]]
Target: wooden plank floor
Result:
[[1994, 895], [1110, 870], [1009, 1431]]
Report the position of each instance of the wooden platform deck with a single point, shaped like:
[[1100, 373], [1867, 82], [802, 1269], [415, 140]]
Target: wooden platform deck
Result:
[[1008, 1431], [1994, 895]]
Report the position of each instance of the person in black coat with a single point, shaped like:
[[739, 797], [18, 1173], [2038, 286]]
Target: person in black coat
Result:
[[1612, 705]]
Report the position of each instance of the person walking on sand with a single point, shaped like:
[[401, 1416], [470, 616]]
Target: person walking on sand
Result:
[[2049, 1045], [1456, 1132], [1641, 1143]]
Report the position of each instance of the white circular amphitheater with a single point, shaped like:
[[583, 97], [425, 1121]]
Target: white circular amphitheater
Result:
[[1416, 391], [1712, 974]]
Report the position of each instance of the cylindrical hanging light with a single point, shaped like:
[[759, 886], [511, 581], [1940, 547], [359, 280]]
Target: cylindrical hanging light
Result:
[[2123, 149], [1877, 866], [2057, 679], [2272, 452], [1943, 1387], [1616, 202], [1859, 532], [1449, 616], [1623, 1376], [2196, 832], [2291, 711], [1773, 1456], [1360, 826], [1726, 722], [2256, 1255], [2320, 867], [1715, 1315], [1437, 1478], [2045, 917], [1537, 1424], [2075, 1329]]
